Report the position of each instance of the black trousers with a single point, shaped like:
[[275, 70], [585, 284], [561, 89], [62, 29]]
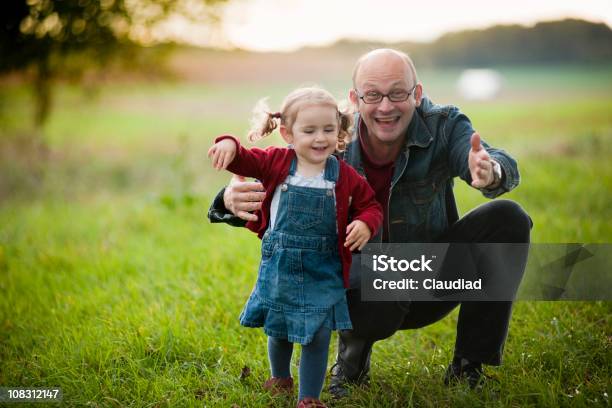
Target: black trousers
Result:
[[482, 326]]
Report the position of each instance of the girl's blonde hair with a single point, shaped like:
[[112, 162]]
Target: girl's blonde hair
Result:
[[264, 122]]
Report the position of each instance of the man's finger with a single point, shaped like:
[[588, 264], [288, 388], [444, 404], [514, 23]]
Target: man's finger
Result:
[[250, 196], [484, 164], [475, 142], [246, 216], [247, 205], [247, 186], [237, 178]]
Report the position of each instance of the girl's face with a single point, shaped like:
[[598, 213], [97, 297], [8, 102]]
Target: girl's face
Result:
[[314, 133]]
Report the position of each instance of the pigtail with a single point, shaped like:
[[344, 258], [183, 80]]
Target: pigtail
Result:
[[344, 134], [263, 121]]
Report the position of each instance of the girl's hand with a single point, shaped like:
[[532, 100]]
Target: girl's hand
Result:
[[222, 153], [357, 235]]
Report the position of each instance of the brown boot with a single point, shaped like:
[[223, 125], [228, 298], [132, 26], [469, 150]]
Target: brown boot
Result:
[[278, 386], [309, 402]]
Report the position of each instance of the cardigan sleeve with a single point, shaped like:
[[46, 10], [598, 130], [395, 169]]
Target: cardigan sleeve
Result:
[[364, 206]]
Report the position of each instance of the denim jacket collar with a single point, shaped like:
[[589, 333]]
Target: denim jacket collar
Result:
[[418, 133]]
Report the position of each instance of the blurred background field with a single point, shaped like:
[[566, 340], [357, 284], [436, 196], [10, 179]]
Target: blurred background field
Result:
[[142, 138], [114, 286]]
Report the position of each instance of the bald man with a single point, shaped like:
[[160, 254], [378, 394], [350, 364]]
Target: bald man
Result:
[[410, 150]]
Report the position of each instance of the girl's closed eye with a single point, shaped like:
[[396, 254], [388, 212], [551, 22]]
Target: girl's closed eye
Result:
[[331, 129]]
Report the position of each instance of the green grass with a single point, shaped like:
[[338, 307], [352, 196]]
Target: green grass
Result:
[[114, 287]]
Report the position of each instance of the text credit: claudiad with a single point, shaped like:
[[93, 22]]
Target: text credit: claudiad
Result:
[[422, 264]]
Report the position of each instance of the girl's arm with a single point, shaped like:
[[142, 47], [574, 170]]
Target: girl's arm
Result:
[[246, 162], [222, 153], [364, 206]]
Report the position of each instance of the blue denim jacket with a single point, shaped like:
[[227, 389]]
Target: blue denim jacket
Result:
[[421, 202]]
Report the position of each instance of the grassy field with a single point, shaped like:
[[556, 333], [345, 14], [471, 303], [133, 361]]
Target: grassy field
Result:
[[114, 287]]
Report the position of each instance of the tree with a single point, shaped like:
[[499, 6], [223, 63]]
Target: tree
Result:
[[41, 34]]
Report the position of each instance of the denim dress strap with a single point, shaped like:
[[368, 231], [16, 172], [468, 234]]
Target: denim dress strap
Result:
[[332, 168]]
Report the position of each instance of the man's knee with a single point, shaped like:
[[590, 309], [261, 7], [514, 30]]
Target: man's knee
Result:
[[516, 222], [512, 212]]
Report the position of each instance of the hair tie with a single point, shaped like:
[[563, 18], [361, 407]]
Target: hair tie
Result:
[[275, 115]]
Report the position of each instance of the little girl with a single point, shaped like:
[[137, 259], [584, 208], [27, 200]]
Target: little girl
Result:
[[306, 249]]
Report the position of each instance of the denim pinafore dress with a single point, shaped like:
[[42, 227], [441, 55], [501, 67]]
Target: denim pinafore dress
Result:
[[299, 287]]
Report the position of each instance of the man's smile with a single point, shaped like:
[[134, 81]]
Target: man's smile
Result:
[[387, 122]]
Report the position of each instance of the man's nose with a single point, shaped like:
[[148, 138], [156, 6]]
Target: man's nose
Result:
[[385, 105]]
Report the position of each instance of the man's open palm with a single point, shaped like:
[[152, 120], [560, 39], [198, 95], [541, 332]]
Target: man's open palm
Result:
[[479, 163]]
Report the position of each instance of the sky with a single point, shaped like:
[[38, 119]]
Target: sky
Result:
[[285, 25]]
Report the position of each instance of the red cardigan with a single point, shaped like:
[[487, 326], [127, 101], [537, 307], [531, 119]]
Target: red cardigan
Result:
[[354, 195]]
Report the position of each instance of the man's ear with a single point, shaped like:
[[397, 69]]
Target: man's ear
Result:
[[418, 94], [353, 97], [285, 134]]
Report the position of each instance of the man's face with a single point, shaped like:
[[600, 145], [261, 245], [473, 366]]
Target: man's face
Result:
[[386, 121]]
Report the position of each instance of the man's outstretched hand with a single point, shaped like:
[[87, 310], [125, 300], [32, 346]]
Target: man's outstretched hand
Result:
[[480, 164], [242, 196]]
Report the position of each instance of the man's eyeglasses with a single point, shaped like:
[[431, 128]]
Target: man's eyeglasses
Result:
[[396, 95]]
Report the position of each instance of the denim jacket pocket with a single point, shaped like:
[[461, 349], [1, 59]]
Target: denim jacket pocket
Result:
[[422, 192], [305, 211], [423, 197]]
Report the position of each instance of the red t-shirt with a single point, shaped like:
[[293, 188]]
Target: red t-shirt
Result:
[[379, 177]]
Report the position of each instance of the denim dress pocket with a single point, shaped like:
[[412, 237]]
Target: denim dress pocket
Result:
[[305, 211], [267, 248]]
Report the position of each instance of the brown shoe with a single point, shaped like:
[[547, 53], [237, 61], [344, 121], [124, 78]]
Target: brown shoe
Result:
[[311, 403], [278, 386]]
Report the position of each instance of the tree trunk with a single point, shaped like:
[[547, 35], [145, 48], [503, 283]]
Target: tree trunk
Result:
[[42, 92]]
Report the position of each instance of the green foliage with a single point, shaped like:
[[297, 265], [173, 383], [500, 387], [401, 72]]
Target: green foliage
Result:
[[45, 35], [546, 42], [567, 41], [38, 29]]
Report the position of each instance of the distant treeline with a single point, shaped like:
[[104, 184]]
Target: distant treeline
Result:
[[566, 41]]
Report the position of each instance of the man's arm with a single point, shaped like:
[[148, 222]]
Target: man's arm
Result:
[[218, 213], [234, 204], [463, 150]]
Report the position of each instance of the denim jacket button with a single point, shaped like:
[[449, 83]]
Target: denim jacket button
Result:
[[284, 187], [329, 193]]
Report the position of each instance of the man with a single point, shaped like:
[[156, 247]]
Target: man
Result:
[[409, 150]]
